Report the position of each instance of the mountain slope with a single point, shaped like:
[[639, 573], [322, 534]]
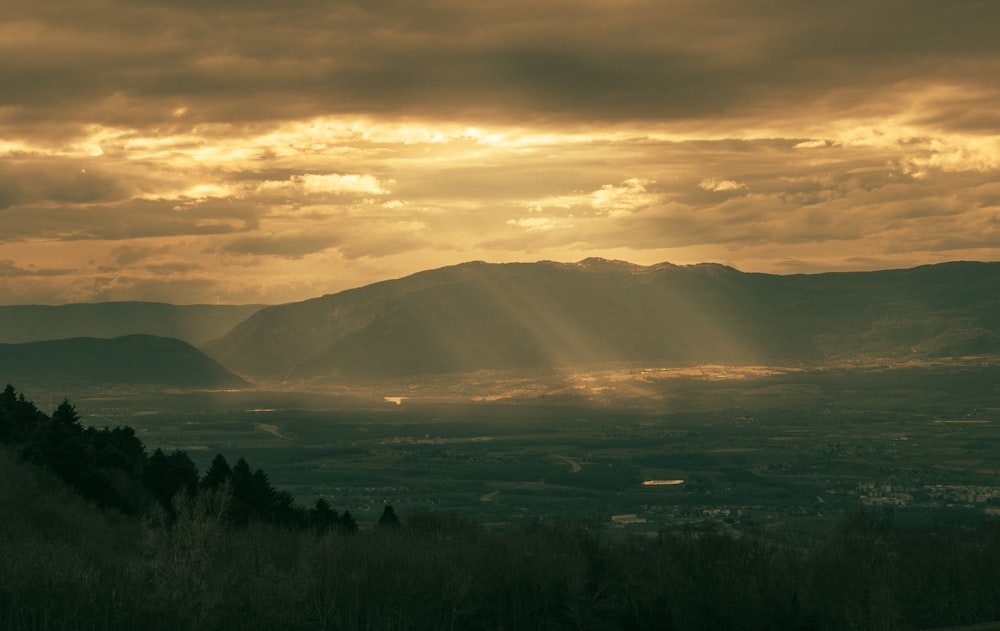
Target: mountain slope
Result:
[[195, 324], [128, 360], [512, 316]]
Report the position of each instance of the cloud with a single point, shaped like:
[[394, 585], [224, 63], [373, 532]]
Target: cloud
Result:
[[29, 180], [538, 224], [135, 219], [615, 201], [717, 186], [187, 142], [10, 269], [293, 246], [129, 254], [584, 60], [333, 183]]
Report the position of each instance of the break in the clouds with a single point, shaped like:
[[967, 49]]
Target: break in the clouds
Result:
[[258, 151]]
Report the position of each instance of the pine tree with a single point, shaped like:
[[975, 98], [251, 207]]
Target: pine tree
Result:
[[261, 496], [183, 471], [323, 517], [286, 512], [8, 399], [166, 476], [347, 524], [158, 480], [218, 473], [66, 413], [57, 441], [240, 484], [388, 517]]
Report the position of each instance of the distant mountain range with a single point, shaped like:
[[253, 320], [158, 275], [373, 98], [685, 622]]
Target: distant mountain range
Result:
[[478, 316], [133, 360], [195, 324]]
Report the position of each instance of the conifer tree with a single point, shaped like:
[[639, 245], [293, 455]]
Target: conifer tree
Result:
[[347, 524], [24, 420], [323, 517], [218, 473], [183, 470], [261, 496], [240, 485], [285, 510], [158, 480], [166, 476], [8, 399], [388, 517], [66, 413]]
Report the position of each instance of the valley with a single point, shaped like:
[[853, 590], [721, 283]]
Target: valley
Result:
[[511, 392], [742, 447]]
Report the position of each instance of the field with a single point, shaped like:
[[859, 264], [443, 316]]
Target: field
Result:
[[747, 447]]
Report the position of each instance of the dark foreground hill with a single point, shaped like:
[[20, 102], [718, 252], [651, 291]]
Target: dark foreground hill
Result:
[[542, 315], [195, 324], [128, 360]]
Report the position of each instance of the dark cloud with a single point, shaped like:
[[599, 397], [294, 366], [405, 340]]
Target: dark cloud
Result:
[[10, 269], [173, 268], [293, 246], [128, 63], [185, 142], [129, 254], [134, 219], [29, 181]]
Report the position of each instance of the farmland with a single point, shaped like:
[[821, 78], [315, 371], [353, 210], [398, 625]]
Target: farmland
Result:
[[775, 447]]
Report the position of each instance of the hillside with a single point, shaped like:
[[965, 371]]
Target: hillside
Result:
[[541, 315], [195, 324], [128, 360]]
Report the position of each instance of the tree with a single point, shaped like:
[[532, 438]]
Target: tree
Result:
[[119, 448], [66, 413], [166, 476], [240, 483], [57, 442], [158, 480], [347, 524], [286, 512], [19, 418], [218, 473], [388, 517], [323, 517], [8, 399], [261, 496], [183, 470]]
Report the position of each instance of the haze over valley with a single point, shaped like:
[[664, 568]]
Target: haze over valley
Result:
[[449, 328], [566, 366], [479, 316]]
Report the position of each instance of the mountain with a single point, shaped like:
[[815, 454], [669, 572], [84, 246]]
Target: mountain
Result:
[[540, 315], [129, 360], [195, 324]]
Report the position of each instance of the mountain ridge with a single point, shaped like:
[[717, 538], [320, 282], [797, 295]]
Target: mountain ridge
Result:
[[195, 324], [131, 360], [478, 315]]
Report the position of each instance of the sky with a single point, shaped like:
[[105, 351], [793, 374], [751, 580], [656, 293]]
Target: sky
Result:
[[257, 151]]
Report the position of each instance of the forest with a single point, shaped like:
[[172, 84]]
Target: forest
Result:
[[97, 533]]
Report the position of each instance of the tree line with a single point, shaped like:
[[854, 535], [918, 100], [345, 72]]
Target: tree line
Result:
[[152, 544], [111, 468]]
